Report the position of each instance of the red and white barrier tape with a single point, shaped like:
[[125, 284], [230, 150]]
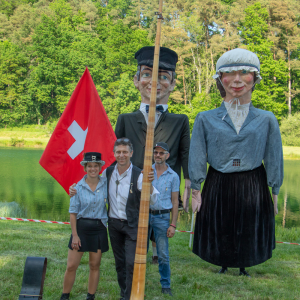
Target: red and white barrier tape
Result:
[[32, 220], [68, 223], [288, 243]]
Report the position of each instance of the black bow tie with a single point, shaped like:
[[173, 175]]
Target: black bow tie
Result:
[[158, 108]]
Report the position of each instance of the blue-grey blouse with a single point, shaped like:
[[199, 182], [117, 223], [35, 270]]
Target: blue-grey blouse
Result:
[[89, 204], [215, 141]]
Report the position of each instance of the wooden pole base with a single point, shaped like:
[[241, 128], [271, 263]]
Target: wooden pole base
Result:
[[138, 284]]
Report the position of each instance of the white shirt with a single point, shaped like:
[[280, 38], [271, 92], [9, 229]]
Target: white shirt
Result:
[[118, 197], [157, 114]]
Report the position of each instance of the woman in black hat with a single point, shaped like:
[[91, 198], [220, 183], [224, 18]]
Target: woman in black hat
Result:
[[88, 218]]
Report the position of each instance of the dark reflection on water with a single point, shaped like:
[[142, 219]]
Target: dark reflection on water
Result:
[[24, 181]]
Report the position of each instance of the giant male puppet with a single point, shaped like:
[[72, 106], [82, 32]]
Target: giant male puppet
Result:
[[170, 128]]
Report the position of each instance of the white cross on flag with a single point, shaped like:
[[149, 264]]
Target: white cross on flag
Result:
[[83, 127]]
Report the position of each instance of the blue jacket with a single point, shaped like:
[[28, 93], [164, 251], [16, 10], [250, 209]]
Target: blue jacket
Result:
[[215, 141]]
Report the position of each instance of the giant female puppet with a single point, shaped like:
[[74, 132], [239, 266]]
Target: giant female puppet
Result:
[[242, 144]]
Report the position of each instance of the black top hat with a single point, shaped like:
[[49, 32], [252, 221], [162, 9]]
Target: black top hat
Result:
[[162, 145], [92, 157], [167, 57]]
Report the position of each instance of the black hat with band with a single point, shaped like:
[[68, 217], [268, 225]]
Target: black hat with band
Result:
[[167, 58], [92, 157]]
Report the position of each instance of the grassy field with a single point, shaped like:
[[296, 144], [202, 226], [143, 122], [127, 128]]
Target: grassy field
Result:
[[29, 136], [192, 278], [290, 152]]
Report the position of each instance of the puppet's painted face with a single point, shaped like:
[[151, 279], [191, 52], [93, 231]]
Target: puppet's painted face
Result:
[[165, 85], [238, 84]]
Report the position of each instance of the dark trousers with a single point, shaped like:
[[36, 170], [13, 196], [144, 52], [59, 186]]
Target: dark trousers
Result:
[[123, 243]]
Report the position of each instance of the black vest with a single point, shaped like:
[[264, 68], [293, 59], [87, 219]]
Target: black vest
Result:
[[134, 196]]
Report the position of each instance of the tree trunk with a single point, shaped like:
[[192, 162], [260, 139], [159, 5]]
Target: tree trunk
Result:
[[184, 88], [198, 69], [290, 83]]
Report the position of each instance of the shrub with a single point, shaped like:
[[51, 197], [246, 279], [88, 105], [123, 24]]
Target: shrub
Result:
[[17, 142], [290, 130], [11, 209]]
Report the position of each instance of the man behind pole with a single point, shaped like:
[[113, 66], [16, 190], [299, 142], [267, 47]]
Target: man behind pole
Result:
[[166, 181]]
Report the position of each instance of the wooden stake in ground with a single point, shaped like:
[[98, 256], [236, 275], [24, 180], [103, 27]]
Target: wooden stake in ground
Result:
[[139, 273]]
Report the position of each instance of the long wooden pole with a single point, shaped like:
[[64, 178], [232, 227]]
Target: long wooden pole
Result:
[[139, 272]]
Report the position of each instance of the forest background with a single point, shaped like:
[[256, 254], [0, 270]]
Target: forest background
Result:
[[46, 45]]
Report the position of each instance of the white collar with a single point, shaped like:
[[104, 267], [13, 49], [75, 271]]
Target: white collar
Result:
[[125, 173]]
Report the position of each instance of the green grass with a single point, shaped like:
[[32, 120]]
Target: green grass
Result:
[[290, 152], [33, 136], [192, 278]]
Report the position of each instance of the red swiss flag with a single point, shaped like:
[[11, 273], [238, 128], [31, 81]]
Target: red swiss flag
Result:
[[83, 127]]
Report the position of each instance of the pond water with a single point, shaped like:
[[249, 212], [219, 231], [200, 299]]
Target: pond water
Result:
[[39, 196]]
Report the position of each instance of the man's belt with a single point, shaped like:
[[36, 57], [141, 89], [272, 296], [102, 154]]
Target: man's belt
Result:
[[159, 212]]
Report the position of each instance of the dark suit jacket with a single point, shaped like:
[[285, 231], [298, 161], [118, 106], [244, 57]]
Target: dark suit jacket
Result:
[[172, 129]]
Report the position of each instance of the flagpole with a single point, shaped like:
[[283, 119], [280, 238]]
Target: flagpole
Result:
[[139, 273]]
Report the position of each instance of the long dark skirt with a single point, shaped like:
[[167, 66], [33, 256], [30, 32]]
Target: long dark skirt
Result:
[[235, 226], [92, 234]]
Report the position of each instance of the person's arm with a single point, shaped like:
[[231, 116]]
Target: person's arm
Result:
[[73, 210], [174, 215], [184, 147], [273, 160], [120, 127], [150, 178], [197, 155], [76, 243]]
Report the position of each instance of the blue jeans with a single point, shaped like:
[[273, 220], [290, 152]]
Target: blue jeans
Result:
[[160, 224]]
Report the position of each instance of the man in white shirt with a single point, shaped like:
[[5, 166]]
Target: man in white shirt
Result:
[[124, 185]]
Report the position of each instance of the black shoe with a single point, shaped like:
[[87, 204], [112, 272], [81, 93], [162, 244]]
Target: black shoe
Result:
[[223, 270], [65, 296], [154, 260], [245, 273], [166, 291], [90, 296]]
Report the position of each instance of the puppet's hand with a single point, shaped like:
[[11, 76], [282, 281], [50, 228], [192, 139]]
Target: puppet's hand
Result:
[[186, 195], [196, 200], [72, 190], [275, 198]]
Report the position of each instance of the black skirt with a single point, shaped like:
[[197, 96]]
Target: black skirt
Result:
[[92, 234], [235, 226]]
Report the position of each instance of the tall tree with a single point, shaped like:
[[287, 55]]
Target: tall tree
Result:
[[13, 70], [283, 17], [270, 93]]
